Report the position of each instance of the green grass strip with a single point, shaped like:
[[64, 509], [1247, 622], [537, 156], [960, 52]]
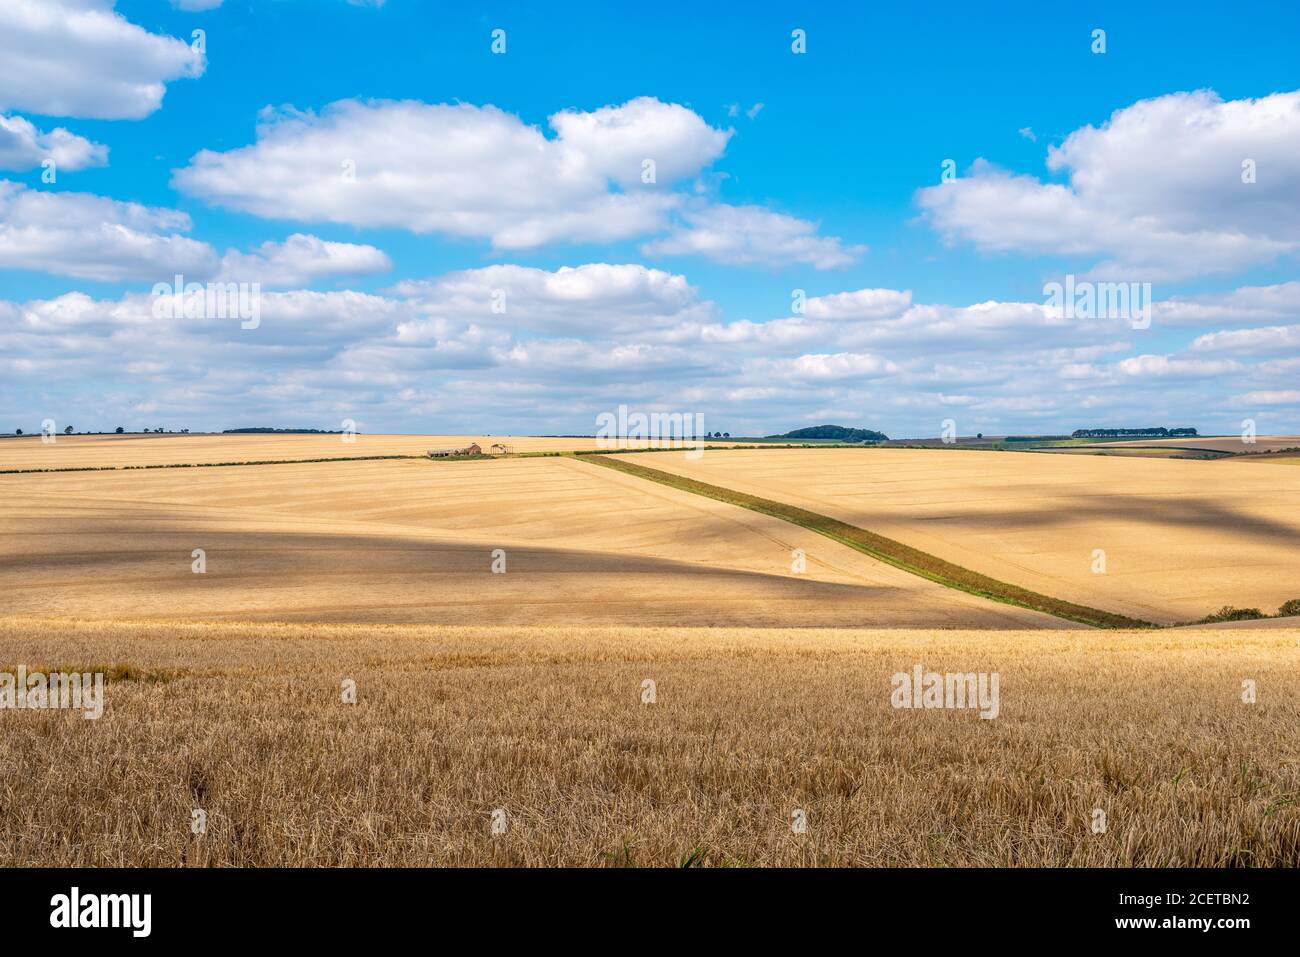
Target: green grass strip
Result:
[[883, 549]]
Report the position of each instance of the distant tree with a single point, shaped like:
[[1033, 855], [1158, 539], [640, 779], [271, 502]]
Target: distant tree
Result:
[[979, 435], [68, 430], [726, 435], [120, 430], [18, 432], [837, 432]]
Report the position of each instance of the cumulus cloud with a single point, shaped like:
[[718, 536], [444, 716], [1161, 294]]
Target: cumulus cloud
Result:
[[301, 260], [462, 170], [752, 236], [1160, 366], [615, 141], [24, 147], [862, 304], [435, 354], [479, 172], [596, 299], [93, 237], [300, 319], [86, 236], [827, 367], [1249, 304], [1268, 340], [81, 58], [1157, 192]]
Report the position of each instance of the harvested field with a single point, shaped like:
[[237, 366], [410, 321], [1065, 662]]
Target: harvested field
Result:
[[1281, 458], [246, 722], [1217, 443], [1180, 538], [110, 451], [1138, 451], [412, 541]]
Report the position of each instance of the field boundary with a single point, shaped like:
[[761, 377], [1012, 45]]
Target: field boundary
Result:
[[887, 550], [207, 465]]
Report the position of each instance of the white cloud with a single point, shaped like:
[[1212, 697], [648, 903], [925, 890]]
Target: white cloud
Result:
[[596, 299], [1157, 192], [93, 237], [1249, 304], [614, 141], [1269, 340], [824, 367], [301, 260], [1160, 366], [752, 236], [24, 147], [863, 304], [433, 355], [1278, 397], [462, 170], [299, 318], [81, 58]]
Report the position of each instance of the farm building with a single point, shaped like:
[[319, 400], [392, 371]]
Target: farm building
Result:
[[472, 449]]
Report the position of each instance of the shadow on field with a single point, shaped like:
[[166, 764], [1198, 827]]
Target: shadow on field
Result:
[[140, 565], [1200, 513]]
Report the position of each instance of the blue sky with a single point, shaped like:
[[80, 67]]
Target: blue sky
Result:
[[778, 171]]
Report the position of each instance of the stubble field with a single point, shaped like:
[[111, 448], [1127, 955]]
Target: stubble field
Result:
[[414, 541], [138, 451], [520, 699], [1180, 538]]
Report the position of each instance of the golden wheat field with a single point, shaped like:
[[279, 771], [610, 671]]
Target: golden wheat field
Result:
[[117, 451], [649, 682], [547, 731], [1180, 538], [414, 541]]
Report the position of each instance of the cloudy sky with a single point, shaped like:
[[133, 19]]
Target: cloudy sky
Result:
[[662, 206]]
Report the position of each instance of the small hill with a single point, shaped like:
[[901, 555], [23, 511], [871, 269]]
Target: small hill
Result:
[[838, 433]]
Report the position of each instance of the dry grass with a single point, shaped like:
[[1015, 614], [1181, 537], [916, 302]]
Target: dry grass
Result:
[[1181, 538], [246, 722], [412, 541]]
